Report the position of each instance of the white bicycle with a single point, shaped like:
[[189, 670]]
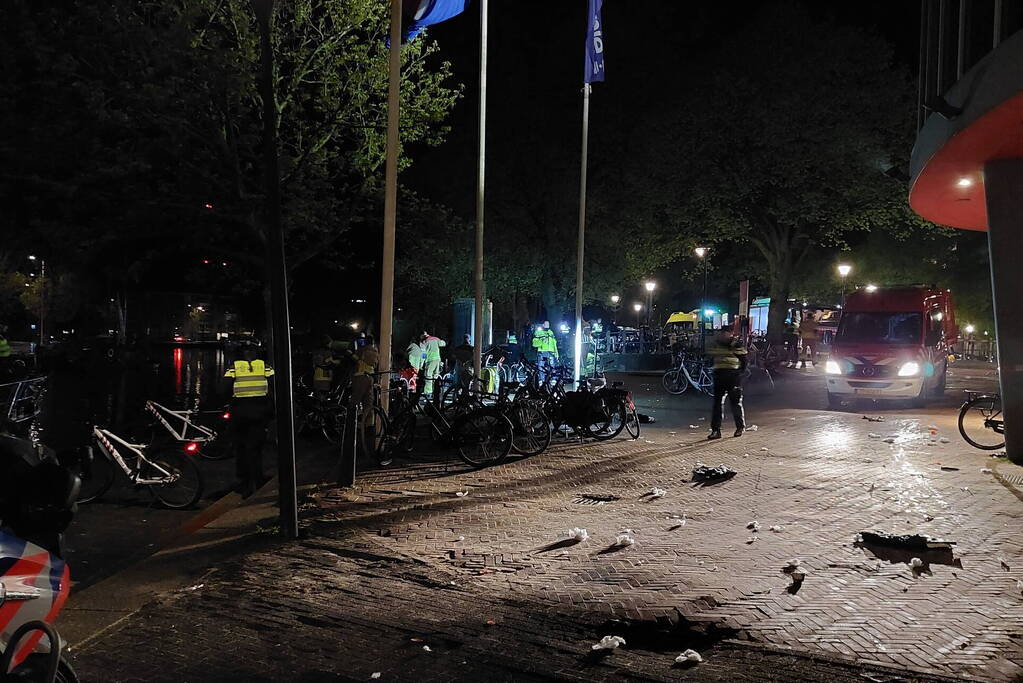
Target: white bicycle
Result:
[[183, 427], [170, 475]]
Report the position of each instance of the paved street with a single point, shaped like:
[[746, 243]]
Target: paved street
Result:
[[403, 561]]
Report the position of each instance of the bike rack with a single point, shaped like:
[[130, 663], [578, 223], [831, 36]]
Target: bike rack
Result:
[[162, 413]]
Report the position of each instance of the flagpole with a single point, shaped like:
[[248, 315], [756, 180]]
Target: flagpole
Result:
[[480, 176], [581, 247], [390, 202]]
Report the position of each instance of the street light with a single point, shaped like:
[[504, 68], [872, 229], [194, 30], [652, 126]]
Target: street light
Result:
[[637, 307], [650, 286], [701, 253], [615, 299], [843, 272], [970, 329], [42, 296], [871, 288]]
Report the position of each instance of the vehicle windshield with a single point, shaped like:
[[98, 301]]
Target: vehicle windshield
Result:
[[880, 328]]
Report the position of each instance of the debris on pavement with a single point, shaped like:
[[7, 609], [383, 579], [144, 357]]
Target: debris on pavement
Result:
[[694, 426], [777, 528], [754, 525], [949, 468], [752, 428], [889, 439], [375, 674], [872, 435], [943, 439], [704, 472], [427, 648], [985, 470], [874, 418], [916, 563], [751, 540], [794, 562], [906, 541], [578, 534], [624, 540], [461, 494], [657, 493], [460, 539], [689, 656], [609, 643], [764, 448], [1005, 565], [1019, 585], [195, 587]]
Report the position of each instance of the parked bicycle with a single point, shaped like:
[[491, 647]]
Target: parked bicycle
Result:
[[980, 421], [186, 427], [691, 371], [170, 475]]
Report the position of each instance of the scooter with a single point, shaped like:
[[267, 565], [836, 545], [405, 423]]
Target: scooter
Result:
[[37, 502]]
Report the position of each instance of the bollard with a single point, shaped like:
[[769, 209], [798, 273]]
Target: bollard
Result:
[[349, 437]]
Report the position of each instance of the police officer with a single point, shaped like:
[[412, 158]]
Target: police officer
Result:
[[323, 365], [431, 346], [546, 345], [513, 348], [729, 356], [250, 415]]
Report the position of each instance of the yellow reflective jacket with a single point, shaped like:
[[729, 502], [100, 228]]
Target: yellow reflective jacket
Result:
[[5, 348], [544, 340], [726, 355], [249, 378]]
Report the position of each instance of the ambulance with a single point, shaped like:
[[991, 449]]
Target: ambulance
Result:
[[892, 343]]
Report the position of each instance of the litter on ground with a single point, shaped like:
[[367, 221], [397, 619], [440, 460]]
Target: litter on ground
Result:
[[943, 439], [874, 418], [764, 448], [985, 470], [907, 541], [794, 562], [460, 538], [461, 494], [578, 534], [916, 563], [702, 472], [872, 435], [427, 648], [889, 439], [375, 674], [689, 656], [609, 643], [754, 525], [657, 493], [752, 428], [777, 528], [624, 540]]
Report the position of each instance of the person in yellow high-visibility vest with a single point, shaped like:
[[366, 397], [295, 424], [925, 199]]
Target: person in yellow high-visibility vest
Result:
[[546, 345], [250, 414], [323, 365], [431, 356]]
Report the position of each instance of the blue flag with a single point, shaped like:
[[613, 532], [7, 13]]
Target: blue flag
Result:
[[594, 69], [423, 13]]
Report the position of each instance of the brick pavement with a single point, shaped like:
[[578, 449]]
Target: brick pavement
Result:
[[819, 476], [402, 557]]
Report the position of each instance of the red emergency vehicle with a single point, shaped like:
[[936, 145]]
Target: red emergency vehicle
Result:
[[892, 343]]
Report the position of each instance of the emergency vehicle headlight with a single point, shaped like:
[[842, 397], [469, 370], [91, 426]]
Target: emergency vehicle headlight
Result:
[[909, 369], [832, 368]]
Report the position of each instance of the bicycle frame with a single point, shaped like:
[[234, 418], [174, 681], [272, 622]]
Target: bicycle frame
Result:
[[698, 385], [162, 413], [106, 440]]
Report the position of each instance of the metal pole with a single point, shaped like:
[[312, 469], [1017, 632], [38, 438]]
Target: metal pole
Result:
[[277, 267], [961, 42], [477, 359], [390, 203], [921, 82], [581, 245], [703, 308], [42, 302], [996, 34], [941, 48]]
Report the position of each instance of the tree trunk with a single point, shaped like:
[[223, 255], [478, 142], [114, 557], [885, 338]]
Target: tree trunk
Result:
[[551, 305], [778, 290]]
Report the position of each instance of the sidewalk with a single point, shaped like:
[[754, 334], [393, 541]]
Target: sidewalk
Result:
[[402, 561]]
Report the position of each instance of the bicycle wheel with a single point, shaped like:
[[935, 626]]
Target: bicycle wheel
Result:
[[180, 481], [96, 471], [612, 425], [482, 437], [332, 423], [632, 421], [978, 420], [373, 437], [220, 447], [401, 433], [672, 384], [532, 430]]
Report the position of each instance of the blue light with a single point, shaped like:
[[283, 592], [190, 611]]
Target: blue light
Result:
[[708, 312]]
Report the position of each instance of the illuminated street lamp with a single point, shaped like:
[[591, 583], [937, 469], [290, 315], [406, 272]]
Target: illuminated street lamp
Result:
[[42, 296], [843, 272], [701, 253], [650, 286], [637, 307], [970, 329], [871, 288]]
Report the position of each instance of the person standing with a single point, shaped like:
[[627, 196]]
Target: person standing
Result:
[[729, 356], [462, 354], [512, 348], [791, 338], [546, 345], [250, 415], [808, 329], [323, 365], [431, 361]]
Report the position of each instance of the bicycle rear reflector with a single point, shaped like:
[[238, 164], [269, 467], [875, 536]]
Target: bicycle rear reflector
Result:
[[225, 416], [191, 447]]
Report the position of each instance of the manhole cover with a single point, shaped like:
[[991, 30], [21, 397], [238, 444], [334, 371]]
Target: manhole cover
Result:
[[595, 499]]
